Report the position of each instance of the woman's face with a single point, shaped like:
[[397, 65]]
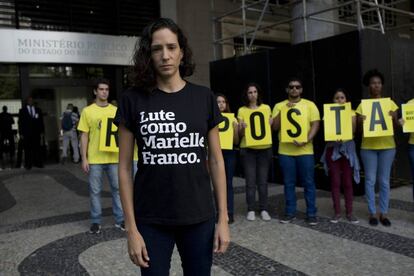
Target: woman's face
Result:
[[166, 53], [252, 94], [339, 97], [375, 87], [221, 103]]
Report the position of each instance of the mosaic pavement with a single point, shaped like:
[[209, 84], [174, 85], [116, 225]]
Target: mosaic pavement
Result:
[[44, 223]]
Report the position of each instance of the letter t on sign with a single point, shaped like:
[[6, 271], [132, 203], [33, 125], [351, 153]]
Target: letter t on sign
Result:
[[338, 110]]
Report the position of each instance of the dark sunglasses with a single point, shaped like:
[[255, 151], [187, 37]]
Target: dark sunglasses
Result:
[[295, 86]]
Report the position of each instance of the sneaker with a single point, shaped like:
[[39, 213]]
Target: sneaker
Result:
[[352, 219], [287, 219], [120, 226], [312, 221], [265, 215], [384, 221], [335, 218], [63, 161], [373, 221], [251, 216], [95, 228]]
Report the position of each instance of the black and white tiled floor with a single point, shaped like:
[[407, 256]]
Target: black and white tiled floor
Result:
[[44, 223]]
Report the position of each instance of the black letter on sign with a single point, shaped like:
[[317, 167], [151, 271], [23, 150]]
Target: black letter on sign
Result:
[[376, 107], [294, 123], [226, 124], [253, 126], [338, 117], [109, 132]]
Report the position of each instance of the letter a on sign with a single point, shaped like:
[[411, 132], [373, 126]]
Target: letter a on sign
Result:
[[337, 121], [294, 124], [378, 122], [226, 131], [408, 117], [108, 140], [258, 131]]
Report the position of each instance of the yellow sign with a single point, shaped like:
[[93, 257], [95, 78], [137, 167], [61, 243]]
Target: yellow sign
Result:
[[377, 121], [257, 132], [226, 131], [108, 140], [294, 124], [337, 121], [408, 117]]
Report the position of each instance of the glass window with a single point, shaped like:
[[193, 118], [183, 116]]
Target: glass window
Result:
[[9, 81]]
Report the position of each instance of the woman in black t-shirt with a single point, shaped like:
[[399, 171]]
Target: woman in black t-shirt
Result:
[[170, 202]]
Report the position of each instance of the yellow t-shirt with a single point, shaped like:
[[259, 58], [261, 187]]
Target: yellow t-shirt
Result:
[[313, 115], [242, 115], [378, 143], [411, 140], [90, 122]]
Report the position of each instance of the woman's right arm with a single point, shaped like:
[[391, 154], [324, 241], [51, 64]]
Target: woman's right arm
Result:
[[136, 245]]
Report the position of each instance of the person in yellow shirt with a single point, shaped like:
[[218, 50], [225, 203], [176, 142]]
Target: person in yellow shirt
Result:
[[229, 156], [296, 158], [96, 162], [410, 146], [377, 154], [256, 159]]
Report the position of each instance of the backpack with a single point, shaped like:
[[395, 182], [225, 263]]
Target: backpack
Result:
[[67, 123]]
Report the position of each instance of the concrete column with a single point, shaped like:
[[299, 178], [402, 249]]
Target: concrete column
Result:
[[314, 29]]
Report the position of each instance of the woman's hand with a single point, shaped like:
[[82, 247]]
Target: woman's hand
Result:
[[401, 121], [299, 144], [221, 237], [137, 250]]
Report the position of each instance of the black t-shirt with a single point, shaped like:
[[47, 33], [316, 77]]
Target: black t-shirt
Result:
[[172, 186]]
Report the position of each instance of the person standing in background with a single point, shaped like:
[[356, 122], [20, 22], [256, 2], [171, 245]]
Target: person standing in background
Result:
[[69, 123], [31, 130]]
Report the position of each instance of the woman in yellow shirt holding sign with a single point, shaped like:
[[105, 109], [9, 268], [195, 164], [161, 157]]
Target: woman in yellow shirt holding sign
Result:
[[341, 163], [378, 117], [255, 148], [407, 111], [229, 154]]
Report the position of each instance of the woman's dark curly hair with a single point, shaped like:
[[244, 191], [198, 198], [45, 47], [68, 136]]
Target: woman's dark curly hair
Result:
[[143, 74], [370, 74], [245, 98]]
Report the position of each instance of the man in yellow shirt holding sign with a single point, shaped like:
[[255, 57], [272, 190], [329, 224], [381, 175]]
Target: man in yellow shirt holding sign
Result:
[[297, 120], [95, 161]]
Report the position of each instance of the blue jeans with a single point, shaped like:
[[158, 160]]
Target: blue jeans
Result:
[[304, 167], [411, 157], [96, 172], [229, 164], [194, 243], [134, 169], [377, 167]]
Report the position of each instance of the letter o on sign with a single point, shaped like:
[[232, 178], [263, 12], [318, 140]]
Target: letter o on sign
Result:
[[253, 126]]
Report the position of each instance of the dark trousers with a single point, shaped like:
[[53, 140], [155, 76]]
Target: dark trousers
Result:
[[256, 167], [7, 147], [340, 172], [194, 243], [32, 151], [229, 164]]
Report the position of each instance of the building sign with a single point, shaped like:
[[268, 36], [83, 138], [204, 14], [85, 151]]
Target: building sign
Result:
[[65, 47]]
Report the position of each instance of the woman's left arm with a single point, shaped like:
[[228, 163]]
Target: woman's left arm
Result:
[[218, 176]]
